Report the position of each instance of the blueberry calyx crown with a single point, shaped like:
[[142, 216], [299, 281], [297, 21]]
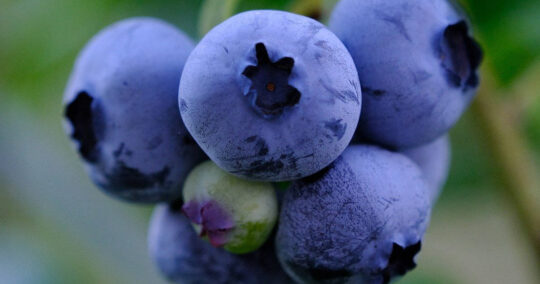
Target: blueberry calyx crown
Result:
[[401, 260], [460, 55], [214, 220], [80, 115], [270, 92]]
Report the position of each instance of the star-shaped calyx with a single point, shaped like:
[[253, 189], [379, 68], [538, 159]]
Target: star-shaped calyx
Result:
[[270, 92], [460, 56], [401, 260]]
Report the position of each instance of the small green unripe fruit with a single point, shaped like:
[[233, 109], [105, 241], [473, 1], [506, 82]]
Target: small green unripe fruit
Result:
[[230, 212]]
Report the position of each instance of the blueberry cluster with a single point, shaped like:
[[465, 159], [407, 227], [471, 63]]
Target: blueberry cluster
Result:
[[281, 150]]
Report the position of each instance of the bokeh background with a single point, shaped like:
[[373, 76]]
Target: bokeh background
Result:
[[56, 227]]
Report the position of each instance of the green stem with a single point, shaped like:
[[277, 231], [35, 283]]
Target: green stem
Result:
[[307, 8], [214, 12], [517, 170]]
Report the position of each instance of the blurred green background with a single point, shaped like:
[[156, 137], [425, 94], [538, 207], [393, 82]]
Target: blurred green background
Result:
[[56, 227]]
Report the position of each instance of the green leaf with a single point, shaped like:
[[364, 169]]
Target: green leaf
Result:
[[214, 12], [246, 5], [509, 34]]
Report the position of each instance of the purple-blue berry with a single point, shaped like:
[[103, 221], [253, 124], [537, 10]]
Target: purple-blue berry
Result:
[[121, 110], [183, 257], [270, 95], [417, 64], [361, 220], [434, 161]]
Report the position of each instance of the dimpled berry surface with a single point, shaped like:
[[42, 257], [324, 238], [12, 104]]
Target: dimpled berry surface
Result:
[[417, 65], [270, 95], [184, 258], [361, 220], [122, 114]]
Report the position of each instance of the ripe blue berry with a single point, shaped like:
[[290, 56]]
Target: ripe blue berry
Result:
[[270, 95], [361, 220], [121, 110], [183, 257], [417, 65], [434, 161]]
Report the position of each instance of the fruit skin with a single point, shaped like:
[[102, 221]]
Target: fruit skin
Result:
[[434, 161], [295, 137], [183, 257], [417, 66], [121, 110], [361, 220], [230, 212]]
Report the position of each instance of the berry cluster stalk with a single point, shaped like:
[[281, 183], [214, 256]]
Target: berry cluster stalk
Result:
[[516, 168]]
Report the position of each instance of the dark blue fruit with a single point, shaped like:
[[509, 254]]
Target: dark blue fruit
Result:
[[417, 65], [121, 110], [434, 161], [183, 257], [270, 95], [361, 220]]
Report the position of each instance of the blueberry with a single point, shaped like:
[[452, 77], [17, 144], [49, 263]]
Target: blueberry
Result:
[[121, 110], [417, 64], [230, 212], [270, 95], [183, 257], [434, 161], [361, 220]]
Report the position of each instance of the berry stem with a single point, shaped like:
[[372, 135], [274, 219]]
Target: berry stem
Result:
[[514, 163], [214, 12], [308, 8]]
